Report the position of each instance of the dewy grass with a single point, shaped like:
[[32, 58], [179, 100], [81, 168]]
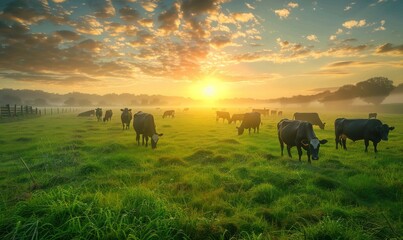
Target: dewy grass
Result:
[[202, 182]]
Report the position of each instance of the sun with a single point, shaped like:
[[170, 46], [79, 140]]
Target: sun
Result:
[[209, 91]]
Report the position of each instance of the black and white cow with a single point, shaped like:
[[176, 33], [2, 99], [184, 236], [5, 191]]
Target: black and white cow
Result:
[[300, 134]]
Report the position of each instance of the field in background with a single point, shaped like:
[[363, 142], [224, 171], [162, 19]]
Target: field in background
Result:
[[90, 180]]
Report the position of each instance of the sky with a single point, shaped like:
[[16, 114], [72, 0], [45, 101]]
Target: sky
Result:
[[260, 49]]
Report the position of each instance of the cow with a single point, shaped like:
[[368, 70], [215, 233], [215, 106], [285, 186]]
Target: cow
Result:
[[313, 118], [265, 112], [108, 115], [143, 124], [273, 112], [361, 129], [89, 113], [98, 113], [223, 115], [169, 113], [250, 120], [237, 117], [280, 113], [300, 134], [372, 115], [126, 118]]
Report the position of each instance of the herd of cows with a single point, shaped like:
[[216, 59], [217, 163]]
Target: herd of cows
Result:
[[297, 132]]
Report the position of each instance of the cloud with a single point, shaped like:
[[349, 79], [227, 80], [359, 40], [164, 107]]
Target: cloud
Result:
[[381, 28], [129, 14], [67, 35], [292, 5], [249, 6], [332, 37], [170, 19], [312, 37], [149, 5], [390, 49], [26, 12], [89, 25], [243, 17], [353, 23], [282, 13], [221, 41], [103, 8], [344, 64]]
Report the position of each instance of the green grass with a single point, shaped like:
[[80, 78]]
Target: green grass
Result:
[[92, 181]]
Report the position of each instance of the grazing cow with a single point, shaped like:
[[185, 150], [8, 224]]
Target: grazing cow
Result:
[[237, 117], [126, 117], [372, 115], [300, 134], [169, 113], [273, 112], [358, 129], [108, 115], [223, 115], [98, 113], [265, 112], [313, 118], [89, 113], [250, 120], [280, 113], [143, 123]]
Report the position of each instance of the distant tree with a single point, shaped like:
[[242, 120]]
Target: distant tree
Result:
[[70, 102], [375, 90], [11, 99], [345, 92], [40, 102], [84, 102]]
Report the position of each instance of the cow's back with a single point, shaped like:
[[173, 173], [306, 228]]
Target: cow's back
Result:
[[251, 120], [288, 130], [356, 129], [143, 123]]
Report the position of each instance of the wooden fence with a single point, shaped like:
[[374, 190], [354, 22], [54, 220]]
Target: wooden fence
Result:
[[8, 111]]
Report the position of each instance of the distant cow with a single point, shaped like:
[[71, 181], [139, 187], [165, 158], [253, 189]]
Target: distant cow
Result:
[[358, 129], [98, 113], [273, 112], [143, 124], [108, 115], [313, 118], [89, 113], [237, 117], [250, 120], [372, 115], [126, 118], [280, 113], [169, 113], [223, 115], [265, 112], [300, 134]]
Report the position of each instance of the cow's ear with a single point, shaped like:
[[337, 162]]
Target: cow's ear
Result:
[[160, 134], [324, 124], [305, 142], [323, 141], [391, 128]]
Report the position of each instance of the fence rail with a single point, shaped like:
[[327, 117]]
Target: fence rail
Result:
[[8, 111]]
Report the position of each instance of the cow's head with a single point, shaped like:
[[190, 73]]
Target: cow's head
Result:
[[383, 131], [240, 130], [154, 140], [313, 146], [322, 126]]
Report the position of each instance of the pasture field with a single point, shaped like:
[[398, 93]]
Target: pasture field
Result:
[[90, 180]]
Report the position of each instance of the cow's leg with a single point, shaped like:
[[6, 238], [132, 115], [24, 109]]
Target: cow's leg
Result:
[[138, 139], [366, 141], [281, 146], [146, 141], [337, 141], [375, 145], [299, 152], [289, 151], [309, 155], [344, 140]]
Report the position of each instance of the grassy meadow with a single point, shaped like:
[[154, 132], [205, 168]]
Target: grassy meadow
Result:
[[90, 180]]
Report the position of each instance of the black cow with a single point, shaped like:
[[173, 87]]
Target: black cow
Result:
[[358, 129], [143, 123], [313, 118], [108, 115], [250, 120], [223, 115], [372, 115], [237, 117], [126, 118], [98, 113], [300, 134], [169, 113], [264, 112], [89, 113]]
